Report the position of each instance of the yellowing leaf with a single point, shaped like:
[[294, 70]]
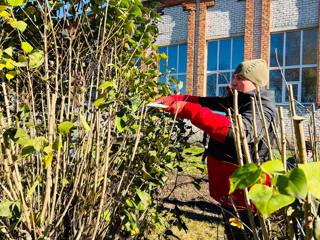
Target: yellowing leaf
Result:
[[3, 8], [10, 64], [15, 3], [20, 25], [48, 160], [65, 127], [10, 75], [8, 51], [5, 14], [236, 223], [84, 123], [26, 47], [36, 59]]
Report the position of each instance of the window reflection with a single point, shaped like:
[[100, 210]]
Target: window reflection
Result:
[[309, 83], [276, 84], [276, 49], [211, 85], [310, 46], [300, 71], [176, 65], [295, 88], [223, 56], [292, 74], [293, 48], [212, 56]]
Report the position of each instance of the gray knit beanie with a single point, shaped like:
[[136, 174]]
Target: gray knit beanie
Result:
[[255, 70]]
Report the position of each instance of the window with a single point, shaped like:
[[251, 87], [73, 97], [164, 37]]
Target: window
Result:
[[176, 64], [295, 54], [223, 57]]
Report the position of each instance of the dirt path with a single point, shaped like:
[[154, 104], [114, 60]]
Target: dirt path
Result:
[[197, 210]]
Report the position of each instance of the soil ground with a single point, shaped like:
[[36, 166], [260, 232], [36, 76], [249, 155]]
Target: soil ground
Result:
[[200, 213]]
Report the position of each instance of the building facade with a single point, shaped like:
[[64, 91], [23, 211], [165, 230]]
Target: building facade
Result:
[[206, 39]]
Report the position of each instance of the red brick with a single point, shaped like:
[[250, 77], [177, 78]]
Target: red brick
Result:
[[249, 29]]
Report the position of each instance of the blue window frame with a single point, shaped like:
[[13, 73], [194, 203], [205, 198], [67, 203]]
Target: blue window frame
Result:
[[223, 57], [176, 64], [293, 57]]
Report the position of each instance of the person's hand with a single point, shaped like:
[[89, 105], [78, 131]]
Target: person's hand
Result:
[[176, 107], [169, 100]]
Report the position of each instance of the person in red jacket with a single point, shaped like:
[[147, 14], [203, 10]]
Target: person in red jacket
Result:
[[222, 156]]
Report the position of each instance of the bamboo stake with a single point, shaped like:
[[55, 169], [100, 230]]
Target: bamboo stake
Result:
[[299, 131], [283, 138], [255, 133], [315, 136], [236, 127], [293, 113], [248, 158], [264, 123]]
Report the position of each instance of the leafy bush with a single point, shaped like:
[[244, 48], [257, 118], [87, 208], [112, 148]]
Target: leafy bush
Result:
[[81, 154]]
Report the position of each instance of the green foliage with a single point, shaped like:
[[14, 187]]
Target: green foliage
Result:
[[244, 177], [312, 173], [272, 167], [268, 200], [9, 209], [76, 130], [65, 127], [293, 183], [285, 188]]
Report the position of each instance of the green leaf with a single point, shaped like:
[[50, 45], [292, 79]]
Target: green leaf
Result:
[[244, 176], [98, 102], [10, 75], [15, 3], [5, 210], [120, 124], [20, 25], [65, 127], [57, 144], [267, 200], [163, 56], [106, 84], [36, 59], [312, 172], [136, 11], [106, 216], [145, 199], [32, 189], [9, 51], [84, 123], [272, 166], [27, 150], [293, 183], [39, 143], [26, 47], [180, 85], [21, 133]]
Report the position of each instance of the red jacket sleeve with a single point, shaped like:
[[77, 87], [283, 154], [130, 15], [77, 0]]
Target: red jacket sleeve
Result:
[[216, 125]]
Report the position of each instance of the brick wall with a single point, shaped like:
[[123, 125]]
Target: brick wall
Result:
[[292, 14], [249, 29], [225, 19], [173, 26], [265, 30], [257, 29]]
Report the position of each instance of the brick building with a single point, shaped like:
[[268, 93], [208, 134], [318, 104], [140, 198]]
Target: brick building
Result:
[[206, 39]]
